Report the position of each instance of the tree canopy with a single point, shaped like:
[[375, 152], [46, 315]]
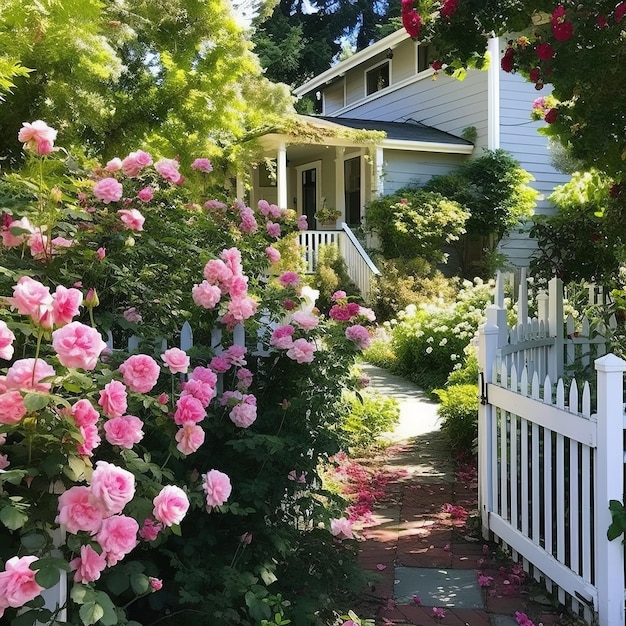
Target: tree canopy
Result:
[[177, 77], [576, 47]]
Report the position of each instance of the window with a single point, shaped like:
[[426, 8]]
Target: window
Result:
[[426, 54], [377, 78]]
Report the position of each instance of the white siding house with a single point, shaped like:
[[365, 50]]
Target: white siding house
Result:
[[390, 87]]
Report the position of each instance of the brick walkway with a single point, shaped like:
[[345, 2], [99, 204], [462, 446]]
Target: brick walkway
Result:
[[424, 552]]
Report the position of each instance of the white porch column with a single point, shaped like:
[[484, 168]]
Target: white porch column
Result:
[[493, 95], [240, 190], [378, 186], [340, 183], [281, 175]]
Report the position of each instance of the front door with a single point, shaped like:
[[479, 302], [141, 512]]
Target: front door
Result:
[[352, 190], [309, 195]]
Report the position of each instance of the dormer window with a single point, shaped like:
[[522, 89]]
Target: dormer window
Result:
[[425, 56], [377, 78]]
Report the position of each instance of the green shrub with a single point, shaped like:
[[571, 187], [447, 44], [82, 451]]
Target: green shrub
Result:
[[458, 412], [370, 416], [330, 275], [466, 375]]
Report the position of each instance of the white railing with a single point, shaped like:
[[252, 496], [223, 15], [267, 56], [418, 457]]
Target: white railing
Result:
[[359, 266], [549, 464]]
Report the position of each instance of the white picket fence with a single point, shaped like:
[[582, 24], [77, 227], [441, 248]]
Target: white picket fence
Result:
[[360, 267], [549, 462]]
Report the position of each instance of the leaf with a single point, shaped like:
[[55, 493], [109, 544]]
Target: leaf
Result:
[[59, 563], [34, 541], [26, 619], [13, 476], [109, 617], [90, 613], [35, 401], [76, 468], [267, 576], [48, 576], [82, 594], [117, 583], [140, 583], [12, 518]]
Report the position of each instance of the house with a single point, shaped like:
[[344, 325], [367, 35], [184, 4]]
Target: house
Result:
[[388, 120]]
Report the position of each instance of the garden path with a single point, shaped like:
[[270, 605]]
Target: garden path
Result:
[[422, 545]]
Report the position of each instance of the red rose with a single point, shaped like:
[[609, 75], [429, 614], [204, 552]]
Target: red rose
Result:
[[620, 11], [534, 75], [544, 51], [507, 60], [449, 8], [411, 19], [561, 28], [436, 65], [601, 21], [551, 115]]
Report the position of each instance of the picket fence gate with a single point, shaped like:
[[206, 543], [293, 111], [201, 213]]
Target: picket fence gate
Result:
[[549, 461]]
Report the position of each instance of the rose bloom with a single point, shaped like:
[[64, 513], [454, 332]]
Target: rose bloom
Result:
[[341, 528], [6, 341], [248, 221], [140, 372], [238, 286], [101, 253], [117, 536], [205, 374], [301, 351], [155, 583], [202, 165], [135, 162], [206, 295], [132, 218], [220, 364], [244, 414], [240, 308], [30, 296], [17, 583], [203, 392], [12, 408], [108, 190], [150, 531], [146, 194], [12, 241], [360, 335], [170, 505], [273, 229], [235, 354], [216, 271], [189, 410], [273, 255], [65, 304], [27, 374], [77, 511], [302, 223], [113, 165], [282, 337], [37, 136], [168, 168], [289, 279], [189, 438], [176, 360], [124, 431], [84, 414], [114, 399], [132, 315], [112, 488], [4, 461], [78, 345], [307, 321], [88, 566], [217, 487], [91, 439]]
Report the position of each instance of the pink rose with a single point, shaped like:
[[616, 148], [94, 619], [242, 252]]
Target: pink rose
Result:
[[114, 399], [341, 528], [273, 255], [176, 360], [88, 566], [217, 487], [302, 222], [101, 253], [17, 237], [248, 221], [12, 408], [150, 531], [205, 374], [189, 410], [216, 271], [6, 341], [220, 364], [132, 218], [238, 286], [289, 279], [199, 390], [146, 194], [65, 304], [307, 321], [170, 505], [206, 295], [244, 376], [91, 439], [132, 315], [30, 297], [17, 583], [117, 536], [4, 461], [235, 354], [112, 488], [77, 511], [113, 165], [108, 190], [282, 337], [155, 583], [244, 413], [37, 136], [240, 308], [273, 229], [124, 431], [189, 438], [84, 414], [360, 335], [78, 345], [168, 168], [28, 374], [301, 351], [135, 162], [232, 258], [202, 165], [140, 372]]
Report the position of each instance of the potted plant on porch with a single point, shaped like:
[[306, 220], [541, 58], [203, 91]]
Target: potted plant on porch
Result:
[[326, 217]]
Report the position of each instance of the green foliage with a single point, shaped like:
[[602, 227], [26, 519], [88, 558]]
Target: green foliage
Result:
[[458, 412], [581, 204], [330, 275], [408, 281], [370, 415], [618, 523], [429, 341], [415, 223]]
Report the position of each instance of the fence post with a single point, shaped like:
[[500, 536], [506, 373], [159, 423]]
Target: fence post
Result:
[[609, 473], [555, 328], [487, 354]]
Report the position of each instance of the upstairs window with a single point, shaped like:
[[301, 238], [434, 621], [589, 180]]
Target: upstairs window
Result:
[[377, 78], [426, 54]]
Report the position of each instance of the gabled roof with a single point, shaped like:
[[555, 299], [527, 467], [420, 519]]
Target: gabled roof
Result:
[[389, 42], [400, 131]]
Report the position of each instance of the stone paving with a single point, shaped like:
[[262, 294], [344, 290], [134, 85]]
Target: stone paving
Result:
[[423, 558]]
